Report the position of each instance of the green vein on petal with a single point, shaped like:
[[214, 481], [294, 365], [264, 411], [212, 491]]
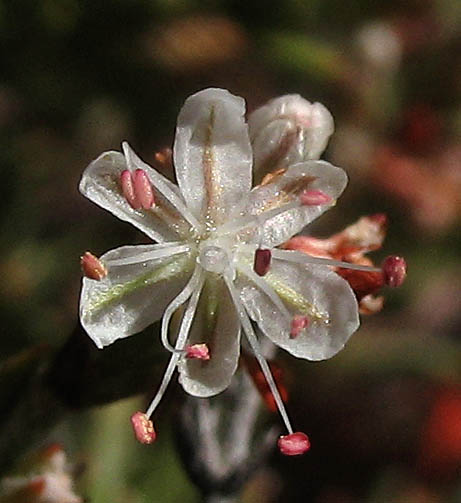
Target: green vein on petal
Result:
[[165, 272], [212, 293], [292, 297]]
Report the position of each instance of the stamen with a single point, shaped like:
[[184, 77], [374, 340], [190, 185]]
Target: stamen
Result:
[[198, 352], [143, 189], [307, 198], [180, 341], [262, 261], [294, 444], [298, 324], [128, 189], [304, 258], [162, 185], [164, 251], [253, 341], [143, 428], [394, 270], [92, 267], [314, 197], [193, 284]]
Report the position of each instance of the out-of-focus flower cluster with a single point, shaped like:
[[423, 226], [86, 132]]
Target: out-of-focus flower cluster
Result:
[[351, 245], [45, 478]]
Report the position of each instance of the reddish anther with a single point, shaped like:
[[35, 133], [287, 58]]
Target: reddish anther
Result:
[[262, 261], [394, 270], [294, 444], [314, 197], [143, 428], [92, 267], [298, 324], [198, 352], [143, 189], [129, 190]]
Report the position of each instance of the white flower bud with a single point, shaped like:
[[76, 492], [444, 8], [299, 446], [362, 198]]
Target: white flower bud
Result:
[[287, 130]]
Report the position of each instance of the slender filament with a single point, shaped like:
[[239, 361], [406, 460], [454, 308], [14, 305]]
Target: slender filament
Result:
[[159, 252], [188, 290], [253, 341], [304, 258], [180, 342]]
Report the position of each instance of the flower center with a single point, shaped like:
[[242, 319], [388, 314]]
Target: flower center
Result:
[[213, 258]]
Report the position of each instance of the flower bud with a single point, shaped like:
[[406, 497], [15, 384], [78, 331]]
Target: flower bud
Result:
[[294, 444], [287, 130]]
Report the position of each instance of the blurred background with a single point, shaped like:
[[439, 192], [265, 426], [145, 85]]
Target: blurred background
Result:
[[78, 77]]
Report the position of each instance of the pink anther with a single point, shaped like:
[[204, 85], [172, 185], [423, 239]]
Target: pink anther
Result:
[[294, 444], [143, 189], [198, 352], [143, 428], [92, 267], [298, 324], [128, 189], [314, 197]]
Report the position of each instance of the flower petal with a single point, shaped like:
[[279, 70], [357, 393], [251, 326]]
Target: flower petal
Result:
[[285, 190], [133, 295], [288, 130], [217, 325], [212, 153], [101, 184], [314, 291]]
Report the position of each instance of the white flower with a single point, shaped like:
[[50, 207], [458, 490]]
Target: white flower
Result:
[[215, 254]]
